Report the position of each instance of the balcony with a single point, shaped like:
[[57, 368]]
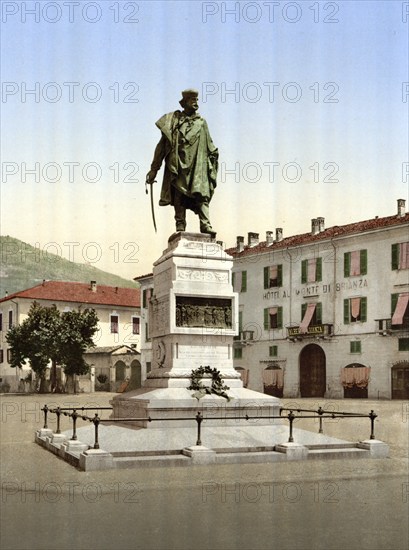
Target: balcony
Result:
[[323, 332], [244, 338], [385, 327]]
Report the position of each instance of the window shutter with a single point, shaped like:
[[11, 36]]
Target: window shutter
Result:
[[363, 262], [304, 271], [394, 301], [303, 310], [266, 277], [364, 307], [318, 277], [244, 281], [346, 311], [347, 264], [144, 298], [266, 319], [280, 275], [240, 321], [280, 317], [395, 256], [318, 313], [233, 278]]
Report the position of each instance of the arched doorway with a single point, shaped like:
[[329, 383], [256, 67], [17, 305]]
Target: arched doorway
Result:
[[312, 371], [273, 380], [355, 378], [400, 380], [136, 376]]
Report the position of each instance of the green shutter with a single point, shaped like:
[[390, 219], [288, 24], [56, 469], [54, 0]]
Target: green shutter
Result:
[[244, 281], [280, 317], [394, 301], [364, 308], [318, 277], [144, 299], [347, 264], [395, 256], [303, 310], [346, 311], [266, 277], [403, 344], [280, 275], [266, 319], [233, 276], [240, 321], [364, 262], [304, 264], [318, 313], [273, 351]]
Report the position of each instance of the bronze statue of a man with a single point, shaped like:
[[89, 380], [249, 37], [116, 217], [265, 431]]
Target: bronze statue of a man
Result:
[[191, 162]]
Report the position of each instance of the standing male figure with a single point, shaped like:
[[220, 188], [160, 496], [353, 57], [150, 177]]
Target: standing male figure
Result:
[[191, 162]]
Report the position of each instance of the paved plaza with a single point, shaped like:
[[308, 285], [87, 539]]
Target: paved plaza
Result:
[[333, 504]]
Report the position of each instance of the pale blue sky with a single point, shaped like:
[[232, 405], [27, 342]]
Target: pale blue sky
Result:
[[355, 53]]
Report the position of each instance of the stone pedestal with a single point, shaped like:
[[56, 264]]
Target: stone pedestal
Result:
[[193, 318]]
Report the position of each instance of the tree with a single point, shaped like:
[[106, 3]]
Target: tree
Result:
[[47, 336]]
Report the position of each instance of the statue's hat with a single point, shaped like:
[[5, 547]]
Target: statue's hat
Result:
[[190, 92]]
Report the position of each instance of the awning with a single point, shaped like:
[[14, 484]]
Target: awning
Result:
[[273, 378], [355, 307], [355, 376], [355, 263], [307, 318], [403, 299], [312, 271]]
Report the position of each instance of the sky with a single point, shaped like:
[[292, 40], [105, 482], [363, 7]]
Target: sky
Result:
[[306, 101]]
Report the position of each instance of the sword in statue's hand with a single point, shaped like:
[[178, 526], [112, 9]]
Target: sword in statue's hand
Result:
[[152, 205]]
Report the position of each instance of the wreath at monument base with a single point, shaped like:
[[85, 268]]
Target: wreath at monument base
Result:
[[217, 387]]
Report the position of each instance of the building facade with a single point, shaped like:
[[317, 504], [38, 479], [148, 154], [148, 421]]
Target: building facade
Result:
[[325, 313], [119, 327]]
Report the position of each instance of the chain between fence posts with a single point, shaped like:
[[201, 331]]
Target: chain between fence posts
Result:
[[372, 416], [45, 409], [74, 416], [291, 417], [96, 421], [199, 420]]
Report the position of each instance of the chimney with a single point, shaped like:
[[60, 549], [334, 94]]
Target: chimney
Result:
[[252, 239], [43, 283], [269, 237], [279, 234], [93, 286], [240, 244], [315, 227], [321, 224], [401, 208], [116, 290]]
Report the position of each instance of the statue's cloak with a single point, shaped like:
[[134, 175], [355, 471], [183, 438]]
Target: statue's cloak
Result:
[[191, 159]]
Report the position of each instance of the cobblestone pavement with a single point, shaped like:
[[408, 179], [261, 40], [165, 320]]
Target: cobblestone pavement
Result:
[[331, 505]]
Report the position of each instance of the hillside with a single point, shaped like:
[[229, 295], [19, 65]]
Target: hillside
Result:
[[23, 266]]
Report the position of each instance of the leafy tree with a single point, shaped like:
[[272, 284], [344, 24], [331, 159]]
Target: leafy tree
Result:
[[47, 335]]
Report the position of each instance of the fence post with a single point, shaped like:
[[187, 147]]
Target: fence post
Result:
[[58, 413], [45, 409], [74, 416], [320, 412], [96, 420], [199, 420], [372, 416], [291, 417]]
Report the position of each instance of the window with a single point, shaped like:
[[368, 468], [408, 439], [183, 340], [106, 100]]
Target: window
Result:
[[400, 309], [239, 281], [1, 356], [1, 321], [238, 353], [147, 337], [146, 296], [400, 256], [114, 324], [273, 276], [148, 366], [355, 310], [273, 351], [273, 318], [10, 319], [355, 263], [311, 270], [136, 323], [403, 344], [9, 356], [311, 314], [355, 346]]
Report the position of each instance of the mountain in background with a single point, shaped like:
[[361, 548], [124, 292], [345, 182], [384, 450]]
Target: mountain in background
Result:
[[23, 266]]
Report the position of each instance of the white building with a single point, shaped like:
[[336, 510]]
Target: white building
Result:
[[325, 313], [117, 341]]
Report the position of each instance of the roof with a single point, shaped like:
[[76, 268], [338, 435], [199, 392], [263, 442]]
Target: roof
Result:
[[80, 293], [109, 350], [336, 231]]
